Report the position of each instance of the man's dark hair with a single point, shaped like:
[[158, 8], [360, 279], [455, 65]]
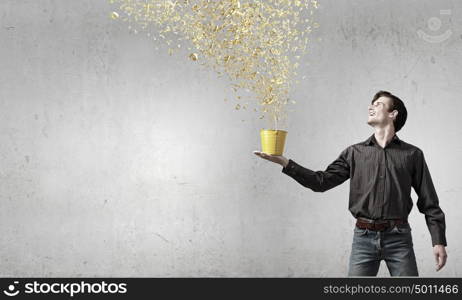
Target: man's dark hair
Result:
[[397, 104]]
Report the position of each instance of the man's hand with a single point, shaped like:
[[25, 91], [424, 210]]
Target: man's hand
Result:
[[279, 159], [440, 256]]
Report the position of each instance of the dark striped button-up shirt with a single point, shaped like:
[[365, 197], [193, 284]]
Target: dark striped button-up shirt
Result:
[[380, 182]]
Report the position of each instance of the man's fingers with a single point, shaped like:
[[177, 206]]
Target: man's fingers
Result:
[[258, 153], [444, 258], [437, 261], [439, 266], [440, 260], [261, 154]]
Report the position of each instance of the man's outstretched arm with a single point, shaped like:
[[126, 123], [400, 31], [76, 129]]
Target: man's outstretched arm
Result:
[[319, 181]]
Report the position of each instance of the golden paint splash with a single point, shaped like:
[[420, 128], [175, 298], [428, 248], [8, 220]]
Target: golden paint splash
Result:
[[256, 43]]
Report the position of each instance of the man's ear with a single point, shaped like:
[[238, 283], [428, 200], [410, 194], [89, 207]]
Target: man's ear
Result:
[[394, 114]]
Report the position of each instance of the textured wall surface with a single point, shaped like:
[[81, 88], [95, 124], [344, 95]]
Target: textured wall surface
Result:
[[117, 159]]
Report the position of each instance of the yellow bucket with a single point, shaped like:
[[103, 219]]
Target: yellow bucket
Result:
[[272, 141]]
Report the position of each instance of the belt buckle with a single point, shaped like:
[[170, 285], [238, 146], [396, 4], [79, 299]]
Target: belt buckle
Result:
[[380, 226]]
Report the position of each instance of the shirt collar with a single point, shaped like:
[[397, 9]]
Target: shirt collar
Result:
[[371, 140]]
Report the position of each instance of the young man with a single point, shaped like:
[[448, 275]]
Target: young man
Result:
[[382, 171]]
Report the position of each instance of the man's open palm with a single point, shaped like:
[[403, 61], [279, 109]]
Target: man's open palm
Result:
[[279, 159]]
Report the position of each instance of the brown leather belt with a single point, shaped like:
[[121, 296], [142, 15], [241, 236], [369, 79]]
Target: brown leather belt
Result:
[[378, 225]]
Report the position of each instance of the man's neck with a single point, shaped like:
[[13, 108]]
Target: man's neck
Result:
[[384, 135]]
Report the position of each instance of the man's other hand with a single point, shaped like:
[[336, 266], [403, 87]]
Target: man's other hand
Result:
[[279, 159], [440, 256]]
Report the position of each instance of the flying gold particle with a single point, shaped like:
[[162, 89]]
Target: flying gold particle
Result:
[[114, 15], [193, 56]]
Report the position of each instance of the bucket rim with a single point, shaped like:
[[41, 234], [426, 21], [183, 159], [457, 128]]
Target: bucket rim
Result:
[[273, 130]]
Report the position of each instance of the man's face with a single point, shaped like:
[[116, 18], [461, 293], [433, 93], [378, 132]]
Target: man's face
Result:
[[379, 112]]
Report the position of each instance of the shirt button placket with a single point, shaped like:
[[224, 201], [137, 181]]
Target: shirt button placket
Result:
[[382, 168], [383, 181]]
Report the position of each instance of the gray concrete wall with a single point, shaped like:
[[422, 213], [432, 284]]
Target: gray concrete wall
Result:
[[117, 159]]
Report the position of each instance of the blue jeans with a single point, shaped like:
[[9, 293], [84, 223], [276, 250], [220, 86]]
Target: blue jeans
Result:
[[394, 245]]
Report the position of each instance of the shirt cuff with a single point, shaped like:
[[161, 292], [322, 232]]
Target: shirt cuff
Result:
[[439, 239], [290, 169]]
